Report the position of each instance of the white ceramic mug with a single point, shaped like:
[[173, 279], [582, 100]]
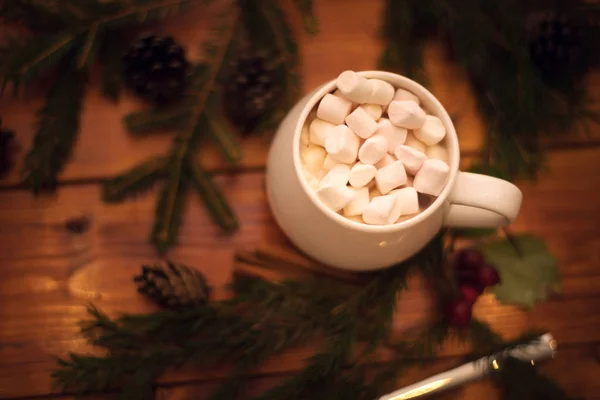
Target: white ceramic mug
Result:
[[468, 200]]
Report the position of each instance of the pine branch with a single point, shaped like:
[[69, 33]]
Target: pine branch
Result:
[[169, 210], [58, 124], [46, 15], [306, 8], [136, 179], [223, 137], [148, 121], [111, 55], [213, 199]]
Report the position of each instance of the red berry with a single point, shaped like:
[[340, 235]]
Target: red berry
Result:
[[469, 259], [458, 313], [488, 276], [470, 292]]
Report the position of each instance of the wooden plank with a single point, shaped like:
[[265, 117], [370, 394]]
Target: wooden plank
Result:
[[48, 274], [579, 360], [349, 42]]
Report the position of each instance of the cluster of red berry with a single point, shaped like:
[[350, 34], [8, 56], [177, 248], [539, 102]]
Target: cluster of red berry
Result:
[[473, 275]]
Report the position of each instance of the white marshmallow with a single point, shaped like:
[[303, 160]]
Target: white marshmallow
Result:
[[437, 152], [373, 150], [342, 144], [311, 180], [385, 161], [338, 93], [312, 157], [406, 114], [304, 137], [374, 192], [382, 210], [373, 110], [354, 87], [390, 177], [338, 176], [432, 131], [319, 130], [431, 178], [408, 200], [382, 92], [410, 157], [409, 181], [361, 174], [329, 163], [360, 202], [413, 142], [361, 123], [394, 135], [334, 109], [405, 95], [335, 197]]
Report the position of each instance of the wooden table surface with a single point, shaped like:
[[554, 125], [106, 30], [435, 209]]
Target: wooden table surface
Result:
[[48, 275]]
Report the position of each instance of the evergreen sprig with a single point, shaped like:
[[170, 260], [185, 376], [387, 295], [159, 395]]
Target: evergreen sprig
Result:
[[521, 106]]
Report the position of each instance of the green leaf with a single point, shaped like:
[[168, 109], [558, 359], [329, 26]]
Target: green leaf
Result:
[[213, 199], [527, 271]]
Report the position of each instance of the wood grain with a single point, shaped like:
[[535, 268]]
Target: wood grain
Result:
[[48, 273], [348, 40]]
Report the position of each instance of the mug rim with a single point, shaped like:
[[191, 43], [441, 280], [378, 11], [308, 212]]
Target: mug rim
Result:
[[398, 81]]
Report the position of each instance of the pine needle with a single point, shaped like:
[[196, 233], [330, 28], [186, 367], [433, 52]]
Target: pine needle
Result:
[[213, 199], [169, 210], [148, 121], [223, 137], [111, 55], [58, 124], [136, 179]]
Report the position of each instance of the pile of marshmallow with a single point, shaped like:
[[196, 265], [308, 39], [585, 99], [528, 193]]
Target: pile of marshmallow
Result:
[[372, 149]]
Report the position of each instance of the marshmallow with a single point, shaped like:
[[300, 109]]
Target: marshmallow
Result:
[[329, 163], [390, 177], [410, 157], [405, 95], [394, 136], [311, 180], [373, 110], [408, 200], [382, 92], [335, 197], [338, 93], [431, 178], [414, 143], [373, 150], [334, 109], [382, 210], [313, 157], [432, 131], [361, 123], [409, 181], [304, 137], [319, 130], [437, 152], [406, 114], [385, 161], [374, 192], [361, 174], [342, 144], [354, 87], [360, 202], [338, 176]]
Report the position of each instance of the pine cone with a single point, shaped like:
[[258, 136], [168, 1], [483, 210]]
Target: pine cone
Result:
[[155, 67], [6, 138], [556, 47], [250, 90], [173, 286]]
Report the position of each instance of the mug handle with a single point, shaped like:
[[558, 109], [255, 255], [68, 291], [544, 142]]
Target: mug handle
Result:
[[481, 201]]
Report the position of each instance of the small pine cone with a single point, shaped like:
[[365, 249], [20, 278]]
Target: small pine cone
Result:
[[251, 90], [155, 67], [173, 286]]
